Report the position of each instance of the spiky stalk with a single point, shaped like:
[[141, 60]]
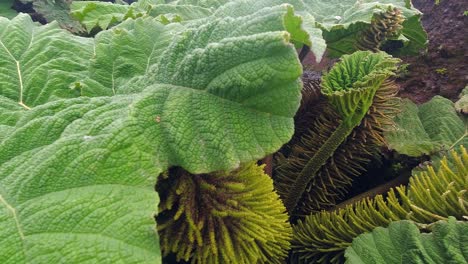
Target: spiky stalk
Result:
[[360, 103], [384, 25], [223, 217], [432, 195]]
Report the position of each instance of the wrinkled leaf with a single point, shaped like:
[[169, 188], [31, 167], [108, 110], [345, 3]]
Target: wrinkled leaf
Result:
[[402, 242], [37, 64], [101, 14], [428, 129], [77, 174], [306, 32], [302, 25]]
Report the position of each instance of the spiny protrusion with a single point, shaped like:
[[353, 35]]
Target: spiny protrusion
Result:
[[383, 26], [333, 180], [224, 217]]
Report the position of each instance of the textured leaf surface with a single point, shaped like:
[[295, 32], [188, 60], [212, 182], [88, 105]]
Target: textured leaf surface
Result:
[[99, 14], [38, 63], [427, 129], [301, 25], [125, 52], [342, 22], [402, 242], [102, 15], [77, 175]]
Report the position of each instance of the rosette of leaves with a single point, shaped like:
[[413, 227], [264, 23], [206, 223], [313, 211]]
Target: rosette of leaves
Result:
[[359, 103], [223, 217], [81, 148], [402, 242], [431, 196]]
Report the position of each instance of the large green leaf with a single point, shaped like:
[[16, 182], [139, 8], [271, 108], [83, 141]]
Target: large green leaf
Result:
[[94, 14], [343, 21], [428, 129], [306, 32], [38, 63], [77, 175], [302, 26], [100, 14], [124, 52], [402, 242]]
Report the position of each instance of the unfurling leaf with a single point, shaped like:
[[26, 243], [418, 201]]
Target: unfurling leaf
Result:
[[345, 133]]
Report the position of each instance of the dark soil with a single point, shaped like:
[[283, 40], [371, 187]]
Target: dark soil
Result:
[[443, 69]]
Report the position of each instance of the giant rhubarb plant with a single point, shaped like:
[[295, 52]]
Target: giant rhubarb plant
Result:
[[341, 26], [87, 125], [345, 134]]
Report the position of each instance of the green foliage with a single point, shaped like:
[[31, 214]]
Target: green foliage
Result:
[[345, 134], [77, 173], [6, 9], [402, 242], [58, 10], [384, 26], [87, 125], [35, 65], [431, 196], [346, 25], [223, 217], [103, 15], [344, 22], [428, 129]]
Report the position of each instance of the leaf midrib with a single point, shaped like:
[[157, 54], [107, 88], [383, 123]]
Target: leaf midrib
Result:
[[20, 77], [17, 223]]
